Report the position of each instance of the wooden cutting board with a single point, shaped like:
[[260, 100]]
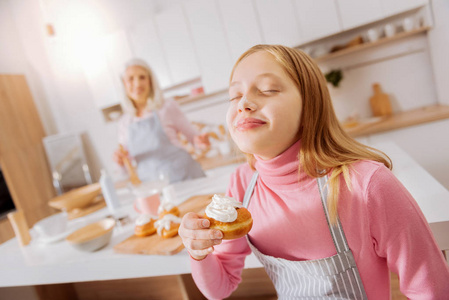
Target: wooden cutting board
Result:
[[154, 244]]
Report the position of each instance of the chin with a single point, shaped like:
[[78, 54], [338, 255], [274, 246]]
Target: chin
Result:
[[252, 147]]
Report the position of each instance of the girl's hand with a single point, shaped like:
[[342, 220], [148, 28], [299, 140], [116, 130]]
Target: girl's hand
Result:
[[202, 141], [120, 155], [196, 236]]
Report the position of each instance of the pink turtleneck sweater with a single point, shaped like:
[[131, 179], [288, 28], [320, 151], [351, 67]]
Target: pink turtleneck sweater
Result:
[[384, 226]]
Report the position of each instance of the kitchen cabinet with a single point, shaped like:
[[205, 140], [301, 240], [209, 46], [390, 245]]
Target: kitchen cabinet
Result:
[[355, 13], [98, 76], [278, 22], [210, 44], [398, 6], [241, 28], [176, 41], [317, 19], [103, 61], [145, 44]]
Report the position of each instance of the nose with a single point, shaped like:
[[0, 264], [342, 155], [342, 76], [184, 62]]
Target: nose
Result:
[[246, 105]]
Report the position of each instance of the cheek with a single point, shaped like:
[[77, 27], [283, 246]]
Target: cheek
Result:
[[230, 116]]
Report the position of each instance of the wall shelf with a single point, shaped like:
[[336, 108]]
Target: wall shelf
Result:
[[401, 120], [368, 45]]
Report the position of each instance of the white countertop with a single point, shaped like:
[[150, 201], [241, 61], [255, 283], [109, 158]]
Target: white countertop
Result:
[[58, 262]]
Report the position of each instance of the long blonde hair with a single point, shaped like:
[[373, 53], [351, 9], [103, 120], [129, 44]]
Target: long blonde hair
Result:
[[325, 146], [155, 97]]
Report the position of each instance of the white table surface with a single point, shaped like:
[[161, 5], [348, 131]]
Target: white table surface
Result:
[[39, 263]]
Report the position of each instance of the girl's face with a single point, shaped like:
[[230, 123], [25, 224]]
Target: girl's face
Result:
[[137, 84], [265, 106]]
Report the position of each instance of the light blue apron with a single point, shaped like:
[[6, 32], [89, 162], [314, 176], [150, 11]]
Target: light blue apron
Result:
[[335, 277], [154, 153]]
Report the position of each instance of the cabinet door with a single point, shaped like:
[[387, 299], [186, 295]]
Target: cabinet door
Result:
[[179, 51], [317, 19], [99, 74], [146, 45], [398, 6], [354, 13], [240, 23], [210, 44], [278, 21], [117, 52]]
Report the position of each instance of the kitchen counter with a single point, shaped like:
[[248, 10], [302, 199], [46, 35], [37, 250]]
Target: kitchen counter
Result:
[[39, 263]]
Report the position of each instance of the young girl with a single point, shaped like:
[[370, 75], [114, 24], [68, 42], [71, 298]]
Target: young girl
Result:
[[330, 219], [148, 129]]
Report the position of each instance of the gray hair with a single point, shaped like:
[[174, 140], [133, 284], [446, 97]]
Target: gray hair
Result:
[[155, 98]]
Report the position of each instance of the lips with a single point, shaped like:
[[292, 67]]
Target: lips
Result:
[[249, 123]]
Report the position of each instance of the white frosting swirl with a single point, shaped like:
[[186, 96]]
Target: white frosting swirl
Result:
[[144, 219], [165, 206], [165, 222], [223, 208]]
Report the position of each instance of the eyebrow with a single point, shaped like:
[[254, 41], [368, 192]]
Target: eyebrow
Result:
[[263, 75]]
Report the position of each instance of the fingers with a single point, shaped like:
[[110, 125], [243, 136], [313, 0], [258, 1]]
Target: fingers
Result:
[[197, 237], [119, 156], [202, 141]]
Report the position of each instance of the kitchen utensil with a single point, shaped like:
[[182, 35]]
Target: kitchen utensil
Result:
[[373, 34], [408, 24], [380, 102], [76, 198], [133, 177], [93, 236], [97, 204], [390, 30], [147, 203], [154, 244]]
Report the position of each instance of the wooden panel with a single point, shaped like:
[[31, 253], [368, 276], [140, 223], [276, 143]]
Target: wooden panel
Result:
[[6, 231], [56, 291], [163, 287], [22, 155]]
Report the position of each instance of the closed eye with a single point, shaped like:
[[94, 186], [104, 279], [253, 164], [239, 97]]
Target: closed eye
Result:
[[235, 98], [270, 91]]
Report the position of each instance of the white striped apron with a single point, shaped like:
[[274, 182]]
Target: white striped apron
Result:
[[154, 152], [335, 277]]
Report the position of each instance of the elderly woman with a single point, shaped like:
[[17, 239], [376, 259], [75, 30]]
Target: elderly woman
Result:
[[149, 128]]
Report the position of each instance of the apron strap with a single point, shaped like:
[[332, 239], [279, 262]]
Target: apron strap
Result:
[[250, 189], [336, 230], [337, 233]]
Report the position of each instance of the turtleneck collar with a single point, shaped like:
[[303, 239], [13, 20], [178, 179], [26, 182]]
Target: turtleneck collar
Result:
[[282, 170]]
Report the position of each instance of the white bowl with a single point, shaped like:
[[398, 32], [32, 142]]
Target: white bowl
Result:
[[51, 226], [93, 236]]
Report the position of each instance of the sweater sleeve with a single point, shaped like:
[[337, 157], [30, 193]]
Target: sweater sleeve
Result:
[[174, 121], [403, 237], [219, 274]]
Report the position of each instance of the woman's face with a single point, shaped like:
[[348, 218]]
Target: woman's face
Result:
[[265, 106], [137, 84]]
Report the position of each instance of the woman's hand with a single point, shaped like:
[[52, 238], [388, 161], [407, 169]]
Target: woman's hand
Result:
[[202, 141], [196, 236], [120, 155]]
